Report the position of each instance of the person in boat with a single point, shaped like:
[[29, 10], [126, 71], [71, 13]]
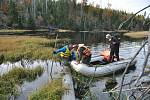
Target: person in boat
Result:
[[114, 47], [66, 53], [84, 54]]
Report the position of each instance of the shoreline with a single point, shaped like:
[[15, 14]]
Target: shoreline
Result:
[[137, 35]]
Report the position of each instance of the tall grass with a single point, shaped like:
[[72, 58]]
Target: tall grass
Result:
[[51, 91], [15, 48], [137, 35], [10, 81]]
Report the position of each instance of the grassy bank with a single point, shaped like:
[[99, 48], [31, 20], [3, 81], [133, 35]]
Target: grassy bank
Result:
[[51, 91], [15, 48], [137, 35], [20, 30], [10, 82]]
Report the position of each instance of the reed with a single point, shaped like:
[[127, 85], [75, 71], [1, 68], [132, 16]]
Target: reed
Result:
[[137, 35], [15, 48], [10, 82], [51, 91]]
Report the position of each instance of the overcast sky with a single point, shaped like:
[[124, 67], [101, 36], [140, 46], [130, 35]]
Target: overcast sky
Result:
[[125, 5]]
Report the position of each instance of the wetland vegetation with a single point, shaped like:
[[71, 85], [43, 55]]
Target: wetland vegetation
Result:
[[10, 82]]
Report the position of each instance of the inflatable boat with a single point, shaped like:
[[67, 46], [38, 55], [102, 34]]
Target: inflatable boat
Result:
[[101, 69]]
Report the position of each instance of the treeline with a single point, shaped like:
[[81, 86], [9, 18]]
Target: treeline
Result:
[[65, 14]]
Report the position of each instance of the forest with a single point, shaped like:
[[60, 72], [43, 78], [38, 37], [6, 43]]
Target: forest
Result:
[[65, 14]]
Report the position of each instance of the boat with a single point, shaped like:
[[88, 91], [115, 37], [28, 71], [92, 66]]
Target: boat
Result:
[[102, 69]]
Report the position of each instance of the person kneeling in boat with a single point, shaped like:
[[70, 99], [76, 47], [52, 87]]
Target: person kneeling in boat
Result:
[[114, 47], [84, 54], [66, 53]]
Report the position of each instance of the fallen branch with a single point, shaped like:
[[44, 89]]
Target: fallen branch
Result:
[[144, 65], [120, 26], [126, 89], [144, 93], [123, 76]]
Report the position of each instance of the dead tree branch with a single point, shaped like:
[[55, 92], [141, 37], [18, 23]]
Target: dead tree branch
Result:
[[144, 93], [120, 26], [123, 76], [144, 65]]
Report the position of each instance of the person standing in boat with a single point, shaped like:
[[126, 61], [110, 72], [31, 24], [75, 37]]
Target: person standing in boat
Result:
[[84, 54], [66, 53], [114, 47]]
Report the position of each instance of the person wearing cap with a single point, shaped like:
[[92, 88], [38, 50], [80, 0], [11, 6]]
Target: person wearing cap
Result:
[[84, 54], [114, 47], [66, 53]]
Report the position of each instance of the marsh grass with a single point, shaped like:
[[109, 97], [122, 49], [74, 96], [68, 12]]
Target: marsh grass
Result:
[[15, 48], [20, 30], [137, 35], [10, 81], [51, 91]]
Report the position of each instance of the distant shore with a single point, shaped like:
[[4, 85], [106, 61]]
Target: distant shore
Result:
[[141, 34], [57, 30], [136, 35]]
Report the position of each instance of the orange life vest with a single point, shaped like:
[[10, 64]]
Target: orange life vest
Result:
[[105, 54], [87, 51]]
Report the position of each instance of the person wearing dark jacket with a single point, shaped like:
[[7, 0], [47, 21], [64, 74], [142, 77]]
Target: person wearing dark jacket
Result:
[[114, 47]]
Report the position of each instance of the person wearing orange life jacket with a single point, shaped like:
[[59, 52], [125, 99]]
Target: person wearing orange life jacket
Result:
[[66, 53], [84, 54]]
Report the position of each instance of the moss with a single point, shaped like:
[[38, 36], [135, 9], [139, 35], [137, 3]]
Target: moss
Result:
[[51, 91]]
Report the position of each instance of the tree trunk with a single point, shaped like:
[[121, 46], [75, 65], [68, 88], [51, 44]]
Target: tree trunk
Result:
[[46, 5], [33, 9]]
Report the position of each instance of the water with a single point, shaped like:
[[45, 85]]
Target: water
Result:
[[98, 43], [128, 49], [28, 87]]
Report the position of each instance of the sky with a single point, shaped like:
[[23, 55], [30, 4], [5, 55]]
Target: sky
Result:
[[125, 5]]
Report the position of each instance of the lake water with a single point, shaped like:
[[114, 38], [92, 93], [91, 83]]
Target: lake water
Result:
[[98, 43], [128, 49]]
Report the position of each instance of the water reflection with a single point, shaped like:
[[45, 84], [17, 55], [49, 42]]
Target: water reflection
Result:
[[28, 87]]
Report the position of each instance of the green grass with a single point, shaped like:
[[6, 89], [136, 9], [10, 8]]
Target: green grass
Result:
[[51, 91], [10, 81], [15, 48]]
